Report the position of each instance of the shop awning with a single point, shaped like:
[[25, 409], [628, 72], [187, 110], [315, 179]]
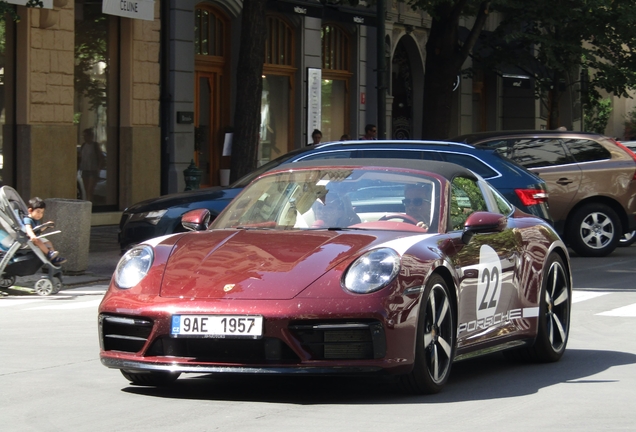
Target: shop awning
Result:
[[136, 9], [327, 11], [352, 15], [310, 8]]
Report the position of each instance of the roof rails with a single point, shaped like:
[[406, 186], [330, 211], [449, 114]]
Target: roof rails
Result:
[[354, 143]]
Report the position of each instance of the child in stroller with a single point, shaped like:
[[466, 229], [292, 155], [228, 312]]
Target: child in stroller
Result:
[[32, 224], [19, 255]]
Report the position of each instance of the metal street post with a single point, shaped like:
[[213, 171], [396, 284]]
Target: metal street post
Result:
[[381, 71]]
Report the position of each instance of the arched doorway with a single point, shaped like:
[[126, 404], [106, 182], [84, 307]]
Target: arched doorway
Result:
[[212, 83], [406, 91]]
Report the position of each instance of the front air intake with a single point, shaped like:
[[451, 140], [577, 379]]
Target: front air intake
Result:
[[123, 333], [341, 341]]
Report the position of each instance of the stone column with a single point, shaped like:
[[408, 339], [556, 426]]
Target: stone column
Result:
[[73, 218]]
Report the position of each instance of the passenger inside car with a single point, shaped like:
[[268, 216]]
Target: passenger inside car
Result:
[[336, 211]]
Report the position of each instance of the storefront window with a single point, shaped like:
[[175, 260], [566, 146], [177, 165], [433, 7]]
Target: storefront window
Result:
[[274, 118], [334, 122], [7, 64], [278, 75], [96, 103], [335, 83]]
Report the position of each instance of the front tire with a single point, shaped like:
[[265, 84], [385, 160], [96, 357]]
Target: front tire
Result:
[[555, 303], [435, 344], [155, 379], [594, 231]]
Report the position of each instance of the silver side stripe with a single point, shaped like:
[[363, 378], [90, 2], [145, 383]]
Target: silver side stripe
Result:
[[401, 245], [532, 312]]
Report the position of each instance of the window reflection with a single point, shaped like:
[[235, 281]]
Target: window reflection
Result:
[[95, 103], [7, 67], [274, 133], [3, 65], [334, 115], [539, 153]]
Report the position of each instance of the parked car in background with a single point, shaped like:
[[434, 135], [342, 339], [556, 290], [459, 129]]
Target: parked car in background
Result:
[[628, 238], [591, 180], [162, 215], [306, 273]]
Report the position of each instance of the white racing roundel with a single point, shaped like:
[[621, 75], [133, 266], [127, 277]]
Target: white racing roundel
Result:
[[489, 282]]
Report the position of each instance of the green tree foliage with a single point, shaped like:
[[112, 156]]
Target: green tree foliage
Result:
[[596, 115], [550, 40], [8, 10]]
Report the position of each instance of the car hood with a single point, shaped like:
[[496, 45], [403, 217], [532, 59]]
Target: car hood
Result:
[[231, 264], [183, 199]]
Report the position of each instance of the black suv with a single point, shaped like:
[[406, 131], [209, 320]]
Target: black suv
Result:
[[162, 215]]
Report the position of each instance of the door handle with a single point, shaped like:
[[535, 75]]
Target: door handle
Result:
[[564, 181]]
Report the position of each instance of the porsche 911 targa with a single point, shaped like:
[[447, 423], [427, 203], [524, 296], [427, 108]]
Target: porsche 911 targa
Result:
[[342, 267]]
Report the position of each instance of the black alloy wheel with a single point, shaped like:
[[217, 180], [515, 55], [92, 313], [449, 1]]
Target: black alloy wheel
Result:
[[555, 303], [435, 345]]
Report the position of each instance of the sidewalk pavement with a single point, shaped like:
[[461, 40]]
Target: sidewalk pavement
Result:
[[103, 256]]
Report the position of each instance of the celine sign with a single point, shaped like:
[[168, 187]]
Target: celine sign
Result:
[[137, 9]]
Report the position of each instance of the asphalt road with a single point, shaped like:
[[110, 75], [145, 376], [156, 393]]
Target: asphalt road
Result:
[[51, 378]]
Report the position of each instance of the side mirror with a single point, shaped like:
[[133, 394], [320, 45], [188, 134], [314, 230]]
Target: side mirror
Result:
[[483, 222], [196, 220]]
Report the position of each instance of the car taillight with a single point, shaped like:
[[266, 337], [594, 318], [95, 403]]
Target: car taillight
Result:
[[628, 151], [530, 197]]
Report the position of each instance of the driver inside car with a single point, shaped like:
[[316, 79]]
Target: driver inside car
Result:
[[417, 204]]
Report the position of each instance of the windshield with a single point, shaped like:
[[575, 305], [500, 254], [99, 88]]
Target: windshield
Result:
[[336, 198], [247, 179]]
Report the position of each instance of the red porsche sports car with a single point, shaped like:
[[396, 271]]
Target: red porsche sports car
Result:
[[344, 266]]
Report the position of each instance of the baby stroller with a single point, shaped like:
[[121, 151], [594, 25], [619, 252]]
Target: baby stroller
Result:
[[18, 255]]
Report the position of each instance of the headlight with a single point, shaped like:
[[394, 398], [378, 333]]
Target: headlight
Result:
[[152, 217], [372, 271], [133, 266]]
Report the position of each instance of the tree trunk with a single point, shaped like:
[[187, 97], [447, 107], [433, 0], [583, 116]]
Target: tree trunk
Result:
[[553, 103], [440, 73], [249, 78], [445, 57]]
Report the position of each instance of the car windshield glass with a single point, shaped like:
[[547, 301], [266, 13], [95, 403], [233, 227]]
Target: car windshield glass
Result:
[[247, 179], [336, 198]]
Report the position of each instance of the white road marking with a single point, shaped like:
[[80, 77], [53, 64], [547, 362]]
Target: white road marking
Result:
[[625, 311], [74, 305], [6, 302], [579, 296], [73, 292]]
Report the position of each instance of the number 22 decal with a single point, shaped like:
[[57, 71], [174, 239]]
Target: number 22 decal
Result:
[[489, 282], [486, 275]]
